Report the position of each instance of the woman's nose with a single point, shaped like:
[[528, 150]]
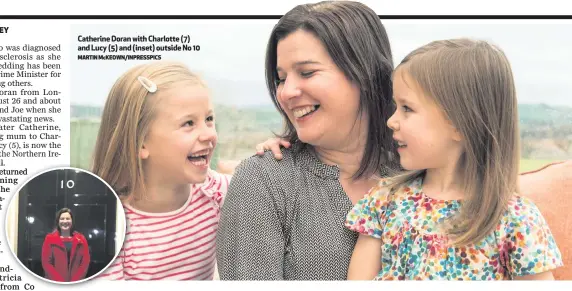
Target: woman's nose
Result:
[[289, 89]]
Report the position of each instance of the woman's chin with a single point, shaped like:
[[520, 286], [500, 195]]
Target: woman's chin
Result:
[[308, 136]]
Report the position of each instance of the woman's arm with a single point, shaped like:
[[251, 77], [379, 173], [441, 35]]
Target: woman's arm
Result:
[[84, 262], [366, 258], [48, 260], [250, 240]]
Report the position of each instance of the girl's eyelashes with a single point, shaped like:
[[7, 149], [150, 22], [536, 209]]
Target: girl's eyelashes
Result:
[[192, 123], [404, 107]]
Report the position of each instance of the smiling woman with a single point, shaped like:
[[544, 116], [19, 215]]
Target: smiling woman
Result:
[[328, 68], [65, 252]]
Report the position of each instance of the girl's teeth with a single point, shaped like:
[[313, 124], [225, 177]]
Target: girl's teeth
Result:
[[200, 162], [200, 154]]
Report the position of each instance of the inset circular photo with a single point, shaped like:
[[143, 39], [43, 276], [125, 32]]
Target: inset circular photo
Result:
[[65, 225]]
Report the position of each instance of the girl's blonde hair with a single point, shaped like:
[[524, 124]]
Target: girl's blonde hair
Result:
[[472, 82], [127, 116]]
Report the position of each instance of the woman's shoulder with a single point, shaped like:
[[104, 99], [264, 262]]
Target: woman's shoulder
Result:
[[288, 156], [268, 164], [52, 235], [78, 235], [264, 176]]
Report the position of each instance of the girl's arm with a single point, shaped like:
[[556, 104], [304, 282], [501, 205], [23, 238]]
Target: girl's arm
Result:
[[540, 276], [366, 258], [367, 218]]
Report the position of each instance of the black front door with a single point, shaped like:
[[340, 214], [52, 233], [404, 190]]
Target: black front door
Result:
[[93, 206]]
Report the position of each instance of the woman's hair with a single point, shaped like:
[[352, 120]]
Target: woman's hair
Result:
[[57, 221], [127, 116], [357, 42], [472, 82]]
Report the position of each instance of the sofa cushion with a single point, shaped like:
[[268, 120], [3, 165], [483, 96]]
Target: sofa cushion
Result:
[[550, 188]]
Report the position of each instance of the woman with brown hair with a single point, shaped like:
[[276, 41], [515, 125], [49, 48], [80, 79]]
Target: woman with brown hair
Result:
[[328, 68], [65, 252]]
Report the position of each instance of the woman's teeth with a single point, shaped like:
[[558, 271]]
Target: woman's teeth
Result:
[[300, 112]]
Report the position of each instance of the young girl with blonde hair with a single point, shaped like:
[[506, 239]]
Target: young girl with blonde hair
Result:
[[154, 146], [455, 214]]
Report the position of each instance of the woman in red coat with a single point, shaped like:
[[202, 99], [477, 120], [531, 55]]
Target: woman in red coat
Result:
[[65, 253]]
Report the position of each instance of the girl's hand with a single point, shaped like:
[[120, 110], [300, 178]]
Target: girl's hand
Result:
[[366, 258], [272, 144]]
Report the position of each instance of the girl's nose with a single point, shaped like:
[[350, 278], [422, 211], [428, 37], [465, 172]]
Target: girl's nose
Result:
[[393, 123], [209, 134]]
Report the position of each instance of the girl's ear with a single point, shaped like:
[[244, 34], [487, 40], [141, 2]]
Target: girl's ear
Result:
[[457, 135], [143, 153]]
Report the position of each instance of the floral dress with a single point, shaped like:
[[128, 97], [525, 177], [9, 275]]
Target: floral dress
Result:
[[413, 248]]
